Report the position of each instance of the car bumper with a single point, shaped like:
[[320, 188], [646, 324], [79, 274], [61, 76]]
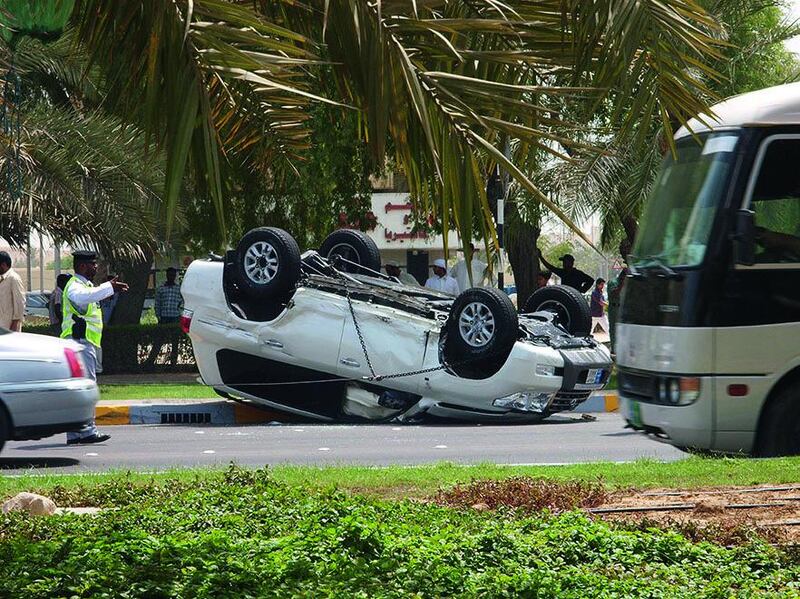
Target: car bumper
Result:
[[46, 408], [686, 426]]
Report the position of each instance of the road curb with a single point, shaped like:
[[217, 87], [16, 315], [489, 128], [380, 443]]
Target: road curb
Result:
[[233, 412]]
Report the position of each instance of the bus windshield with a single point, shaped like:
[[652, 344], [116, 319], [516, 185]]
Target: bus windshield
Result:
[[683, 202]]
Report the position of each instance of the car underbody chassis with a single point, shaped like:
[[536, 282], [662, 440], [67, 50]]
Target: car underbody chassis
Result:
[[325, 335]]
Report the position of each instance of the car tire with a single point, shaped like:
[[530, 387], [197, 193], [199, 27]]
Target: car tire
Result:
[[779, 429], [567, 303], [482, 327], [354, 246], [267, 263]]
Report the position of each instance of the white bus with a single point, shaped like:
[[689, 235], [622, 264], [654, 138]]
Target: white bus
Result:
[[709, 332]]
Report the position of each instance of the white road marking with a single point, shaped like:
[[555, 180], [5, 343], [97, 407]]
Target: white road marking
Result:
[[440, 447], [92, 454], [209, 451], [299, 430], [323, 449], [199, 432], [396, 428]]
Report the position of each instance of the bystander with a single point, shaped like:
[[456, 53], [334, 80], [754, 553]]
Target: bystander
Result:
[[12, 296], [569, 275], [169, 302]]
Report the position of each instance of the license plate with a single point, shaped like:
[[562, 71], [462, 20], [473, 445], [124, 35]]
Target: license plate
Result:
[[594, 376]]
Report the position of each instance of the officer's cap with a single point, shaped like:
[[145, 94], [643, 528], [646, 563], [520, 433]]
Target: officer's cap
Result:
[[84, 256]]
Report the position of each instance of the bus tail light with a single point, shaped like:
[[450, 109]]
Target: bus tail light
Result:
[[690, 389]]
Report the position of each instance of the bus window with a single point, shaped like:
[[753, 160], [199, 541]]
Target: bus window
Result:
[[776, 203]]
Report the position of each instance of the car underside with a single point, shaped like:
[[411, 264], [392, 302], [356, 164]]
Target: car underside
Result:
[[342, 342]]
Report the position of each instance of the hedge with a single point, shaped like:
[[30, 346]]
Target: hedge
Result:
[[140, 348], [243, 534]]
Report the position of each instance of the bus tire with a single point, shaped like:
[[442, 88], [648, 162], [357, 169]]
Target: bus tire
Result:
[[779, 429]]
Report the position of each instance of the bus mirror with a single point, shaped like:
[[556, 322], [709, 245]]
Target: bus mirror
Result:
[[744, 241]]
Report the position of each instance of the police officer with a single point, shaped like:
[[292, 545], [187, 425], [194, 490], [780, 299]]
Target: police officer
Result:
[[83, 322]]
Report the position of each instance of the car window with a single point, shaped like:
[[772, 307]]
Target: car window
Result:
[[776, 204]]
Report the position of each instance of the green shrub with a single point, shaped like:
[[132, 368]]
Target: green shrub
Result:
[[240, 533], [141, 348]]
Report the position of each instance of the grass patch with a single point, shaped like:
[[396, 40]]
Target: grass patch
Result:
[[245, 533], [405, 481], [148, 391]]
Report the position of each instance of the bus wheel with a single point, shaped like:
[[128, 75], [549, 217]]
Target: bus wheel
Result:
[[779, 431]]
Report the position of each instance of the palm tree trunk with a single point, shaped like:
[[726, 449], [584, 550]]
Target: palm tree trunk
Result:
[[521, 247]]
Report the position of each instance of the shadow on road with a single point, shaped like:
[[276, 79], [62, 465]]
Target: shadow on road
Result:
[[16, 463]]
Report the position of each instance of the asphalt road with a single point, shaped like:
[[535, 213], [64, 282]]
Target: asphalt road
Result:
[[558, 440]]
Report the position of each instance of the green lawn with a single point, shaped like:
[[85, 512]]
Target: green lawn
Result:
[[401, 481], [147, 391]]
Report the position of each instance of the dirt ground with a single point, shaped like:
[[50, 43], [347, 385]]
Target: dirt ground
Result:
[[772, 511], [728, 516]]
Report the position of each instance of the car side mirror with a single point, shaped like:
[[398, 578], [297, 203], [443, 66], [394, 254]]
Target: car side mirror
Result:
[[744, 240]]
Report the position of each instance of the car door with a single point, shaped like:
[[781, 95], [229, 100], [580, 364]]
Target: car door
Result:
[[307, 333], [767, 293], [395, 341]]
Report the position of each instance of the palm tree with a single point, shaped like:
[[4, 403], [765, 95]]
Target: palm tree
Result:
[[616, 182], [88, 178], [450, 83]]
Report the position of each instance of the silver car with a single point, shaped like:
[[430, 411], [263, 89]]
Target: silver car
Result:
[[43, 387]]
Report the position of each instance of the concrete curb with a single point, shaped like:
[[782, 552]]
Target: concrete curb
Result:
[[222, 411]]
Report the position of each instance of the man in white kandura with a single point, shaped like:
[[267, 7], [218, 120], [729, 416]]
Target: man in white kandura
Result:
[[460, 273], [441, 281]]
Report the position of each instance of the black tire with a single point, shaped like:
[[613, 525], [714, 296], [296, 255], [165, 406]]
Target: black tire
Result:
[[567, 303], [354, 246], [486, 344], [779, 428], [267, 263]]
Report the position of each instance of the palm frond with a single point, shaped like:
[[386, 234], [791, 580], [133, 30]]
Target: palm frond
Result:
[[88, 180]]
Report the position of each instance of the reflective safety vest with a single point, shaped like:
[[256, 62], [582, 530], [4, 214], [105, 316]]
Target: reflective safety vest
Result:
[[77, 324]]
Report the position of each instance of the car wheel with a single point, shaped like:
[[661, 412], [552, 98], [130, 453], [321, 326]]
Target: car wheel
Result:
[[779, 430], [267, 263], [357, 248], [482, 326], [570, 307]]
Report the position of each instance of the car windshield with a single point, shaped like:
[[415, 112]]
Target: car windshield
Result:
[[684, 201]]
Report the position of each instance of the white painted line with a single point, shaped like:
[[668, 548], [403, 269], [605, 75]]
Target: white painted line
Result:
[[396, 428], [92, 454], [440, 447], [323, 449], [299, 430], [209, 451], [199, 432]]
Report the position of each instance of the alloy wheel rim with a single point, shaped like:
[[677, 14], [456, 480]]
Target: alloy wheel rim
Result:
[[261, 262], [476, 324]]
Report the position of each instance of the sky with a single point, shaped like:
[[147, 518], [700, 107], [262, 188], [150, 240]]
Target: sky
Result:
[[794, 13]]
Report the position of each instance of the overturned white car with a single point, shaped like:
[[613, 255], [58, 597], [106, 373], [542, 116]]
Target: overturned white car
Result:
[[326, 335]]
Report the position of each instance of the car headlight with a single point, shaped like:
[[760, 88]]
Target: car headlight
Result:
[[525, 401], [545, 370]]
